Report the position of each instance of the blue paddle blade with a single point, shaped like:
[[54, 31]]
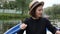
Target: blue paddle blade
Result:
[[13, 30]]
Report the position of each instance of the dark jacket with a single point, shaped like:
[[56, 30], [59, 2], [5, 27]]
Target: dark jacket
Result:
[[37, 26]]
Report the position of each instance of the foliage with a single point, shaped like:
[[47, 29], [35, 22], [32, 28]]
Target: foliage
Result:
[[53, 12]]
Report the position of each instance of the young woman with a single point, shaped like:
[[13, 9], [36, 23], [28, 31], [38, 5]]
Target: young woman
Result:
[[36, 24]]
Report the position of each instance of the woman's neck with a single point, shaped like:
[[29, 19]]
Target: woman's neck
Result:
[[35, 18]]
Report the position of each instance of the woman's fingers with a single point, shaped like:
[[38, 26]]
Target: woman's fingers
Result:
[[58, 32], [23, 26]]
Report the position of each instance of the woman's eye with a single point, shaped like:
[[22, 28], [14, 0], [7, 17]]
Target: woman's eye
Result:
[[40, 10]]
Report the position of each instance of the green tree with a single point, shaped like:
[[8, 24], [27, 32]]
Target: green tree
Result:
[[53, 11], [23, 5]]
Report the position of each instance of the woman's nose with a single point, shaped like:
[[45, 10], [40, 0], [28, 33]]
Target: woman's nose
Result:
[[41, 11]]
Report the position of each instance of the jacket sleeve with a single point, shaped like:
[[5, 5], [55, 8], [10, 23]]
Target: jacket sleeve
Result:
[[50, 27], [22, 31]]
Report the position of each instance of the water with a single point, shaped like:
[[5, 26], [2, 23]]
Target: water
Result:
[[10, 11]]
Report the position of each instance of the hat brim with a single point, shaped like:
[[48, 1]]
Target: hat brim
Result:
[[42, 3]]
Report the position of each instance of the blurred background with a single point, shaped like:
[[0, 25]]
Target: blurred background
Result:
[[14, 11]]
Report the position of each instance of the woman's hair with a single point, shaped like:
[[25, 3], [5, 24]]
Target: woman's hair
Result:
[[33, 12]]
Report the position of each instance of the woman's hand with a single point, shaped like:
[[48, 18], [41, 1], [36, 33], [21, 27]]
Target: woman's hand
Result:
[[23, 26], [57, 32]]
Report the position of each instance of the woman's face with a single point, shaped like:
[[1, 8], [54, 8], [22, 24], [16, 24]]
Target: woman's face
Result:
[[39, 11]]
